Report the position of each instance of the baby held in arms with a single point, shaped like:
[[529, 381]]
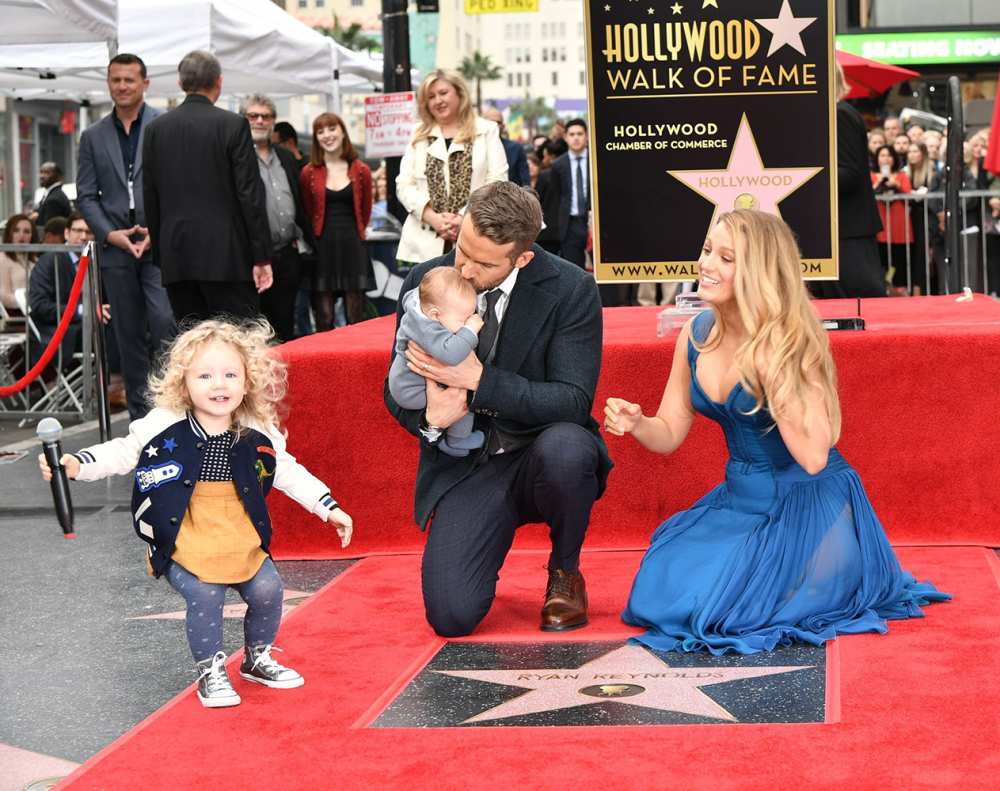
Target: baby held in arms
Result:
[[440, 316]]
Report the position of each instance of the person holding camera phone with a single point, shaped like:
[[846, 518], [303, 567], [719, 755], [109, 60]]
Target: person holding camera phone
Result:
[[897, 229]]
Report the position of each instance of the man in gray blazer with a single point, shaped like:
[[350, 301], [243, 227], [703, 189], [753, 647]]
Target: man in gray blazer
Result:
[[531, 388], [109, 195]]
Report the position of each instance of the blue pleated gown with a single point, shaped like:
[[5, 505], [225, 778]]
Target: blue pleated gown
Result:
[[771, 556]]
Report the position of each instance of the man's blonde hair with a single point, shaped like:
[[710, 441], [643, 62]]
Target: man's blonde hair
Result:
[[266, 373], [504, 212]]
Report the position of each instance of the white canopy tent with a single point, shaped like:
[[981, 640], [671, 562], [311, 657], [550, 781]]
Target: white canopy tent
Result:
[[59, 21], [261, 48]]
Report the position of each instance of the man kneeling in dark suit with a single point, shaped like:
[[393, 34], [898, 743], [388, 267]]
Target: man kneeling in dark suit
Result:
[[531, 385]]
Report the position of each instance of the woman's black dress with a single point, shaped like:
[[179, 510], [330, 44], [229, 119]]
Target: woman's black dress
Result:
[[342, 261]]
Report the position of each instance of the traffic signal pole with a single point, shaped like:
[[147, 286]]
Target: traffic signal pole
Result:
[[395, 78]]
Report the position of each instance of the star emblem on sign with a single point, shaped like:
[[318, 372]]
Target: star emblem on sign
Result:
[[151, 451], [786, 29], [745, 183], [630, 675]]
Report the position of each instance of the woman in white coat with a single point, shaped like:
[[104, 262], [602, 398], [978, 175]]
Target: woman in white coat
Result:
[[451, 154]]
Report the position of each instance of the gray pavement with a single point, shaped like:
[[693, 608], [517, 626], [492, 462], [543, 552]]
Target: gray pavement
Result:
[[91, 645]]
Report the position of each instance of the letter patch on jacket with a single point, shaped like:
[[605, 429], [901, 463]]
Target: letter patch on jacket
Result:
[[151, 477]]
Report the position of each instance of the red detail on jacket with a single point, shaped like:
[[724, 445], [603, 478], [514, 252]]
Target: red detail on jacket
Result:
[[312, 183]]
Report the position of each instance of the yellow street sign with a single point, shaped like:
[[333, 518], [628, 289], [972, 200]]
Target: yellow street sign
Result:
[[500, 6]]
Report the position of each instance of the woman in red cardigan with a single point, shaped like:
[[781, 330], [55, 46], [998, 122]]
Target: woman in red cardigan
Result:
[[337, 194]]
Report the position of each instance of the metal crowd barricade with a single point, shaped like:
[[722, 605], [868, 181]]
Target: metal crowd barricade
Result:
[[78, 392], [973, 254]]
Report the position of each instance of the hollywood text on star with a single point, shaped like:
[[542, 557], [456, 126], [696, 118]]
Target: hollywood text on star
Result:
[[713, 56]]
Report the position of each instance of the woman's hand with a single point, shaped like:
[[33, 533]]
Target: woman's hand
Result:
[[344, 523], [621, 417], [70, 462]]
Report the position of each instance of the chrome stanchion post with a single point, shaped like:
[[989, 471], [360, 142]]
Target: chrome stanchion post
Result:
[[87, 300], [890, 274], [965, 245], [927, 248], [100, 348], [908, 230], [982, 235]]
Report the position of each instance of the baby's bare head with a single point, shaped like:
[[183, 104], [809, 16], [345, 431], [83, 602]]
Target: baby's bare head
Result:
[[447, 297]]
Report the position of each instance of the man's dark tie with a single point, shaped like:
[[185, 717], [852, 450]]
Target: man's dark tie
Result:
[[491, 326], [581, 197]]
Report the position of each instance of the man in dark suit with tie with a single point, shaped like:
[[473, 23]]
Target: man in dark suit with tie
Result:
[[571, 177], [531, 386], [109, 194], [205, 201]]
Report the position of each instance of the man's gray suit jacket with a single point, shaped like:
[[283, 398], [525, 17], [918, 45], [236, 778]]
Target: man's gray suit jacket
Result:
[[102, 184]]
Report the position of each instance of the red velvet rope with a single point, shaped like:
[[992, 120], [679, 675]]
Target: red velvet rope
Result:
[[64, 322]]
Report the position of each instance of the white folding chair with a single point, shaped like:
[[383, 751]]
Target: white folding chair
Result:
[[67, 392]]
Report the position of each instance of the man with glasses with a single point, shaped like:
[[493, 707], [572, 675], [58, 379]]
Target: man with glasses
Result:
[[285, 216], [109, 195], [205, 201], [48, 292]]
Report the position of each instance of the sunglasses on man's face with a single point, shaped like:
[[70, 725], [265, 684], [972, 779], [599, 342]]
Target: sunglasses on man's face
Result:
[[259, 116]]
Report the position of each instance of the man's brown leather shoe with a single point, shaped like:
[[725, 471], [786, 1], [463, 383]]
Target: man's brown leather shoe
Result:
[[565, 601]]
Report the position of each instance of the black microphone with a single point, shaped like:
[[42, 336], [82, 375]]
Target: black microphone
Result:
[[49, 432]]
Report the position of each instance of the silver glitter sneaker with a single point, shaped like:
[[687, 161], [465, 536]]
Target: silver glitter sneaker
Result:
[[214, 689], [261, 668]]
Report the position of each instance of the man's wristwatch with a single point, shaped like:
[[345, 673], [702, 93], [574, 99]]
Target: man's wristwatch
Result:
[[430, 433]]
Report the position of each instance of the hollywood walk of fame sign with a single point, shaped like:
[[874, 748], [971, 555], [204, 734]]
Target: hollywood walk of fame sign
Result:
[[518, 684], [705, 106]]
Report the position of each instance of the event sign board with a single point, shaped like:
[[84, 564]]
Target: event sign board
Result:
[[702, 106], [389, 122], [926, 47], [500, 6]]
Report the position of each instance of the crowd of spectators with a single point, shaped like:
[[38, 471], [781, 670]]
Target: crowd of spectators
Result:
[[292, 243], [911, 162]]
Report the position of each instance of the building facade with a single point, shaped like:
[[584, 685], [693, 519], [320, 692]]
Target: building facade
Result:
[[937, 40]]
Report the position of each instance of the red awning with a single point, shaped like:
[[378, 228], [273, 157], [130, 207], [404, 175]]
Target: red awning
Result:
[[868, 78]]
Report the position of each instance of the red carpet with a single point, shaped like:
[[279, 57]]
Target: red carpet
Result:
[[918, 392], [919, 707]]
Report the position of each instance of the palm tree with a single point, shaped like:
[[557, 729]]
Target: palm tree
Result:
[[353, 37], [479, 67], [531, 110]]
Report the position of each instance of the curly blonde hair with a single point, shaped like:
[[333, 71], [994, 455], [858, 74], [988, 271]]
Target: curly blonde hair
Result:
[[266, 373], [780, 322]]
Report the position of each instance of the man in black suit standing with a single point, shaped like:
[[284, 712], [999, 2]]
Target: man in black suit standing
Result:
[[571, 177], [109, 194], [860, 268], [54, 203], [531, 385], [205, 201], [286, 217]]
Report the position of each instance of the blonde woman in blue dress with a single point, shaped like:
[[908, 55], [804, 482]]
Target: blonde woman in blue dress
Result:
[[788, 548]]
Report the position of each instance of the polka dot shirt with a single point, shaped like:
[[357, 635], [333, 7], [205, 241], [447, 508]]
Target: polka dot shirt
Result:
[[215, 466]]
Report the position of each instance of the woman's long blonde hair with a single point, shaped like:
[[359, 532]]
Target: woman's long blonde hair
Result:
[[266, 374], [774, 307], [466, 115]]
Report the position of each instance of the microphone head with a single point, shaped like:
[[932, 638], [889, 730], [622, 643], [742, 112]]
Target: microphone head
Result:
[[49, 429]]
